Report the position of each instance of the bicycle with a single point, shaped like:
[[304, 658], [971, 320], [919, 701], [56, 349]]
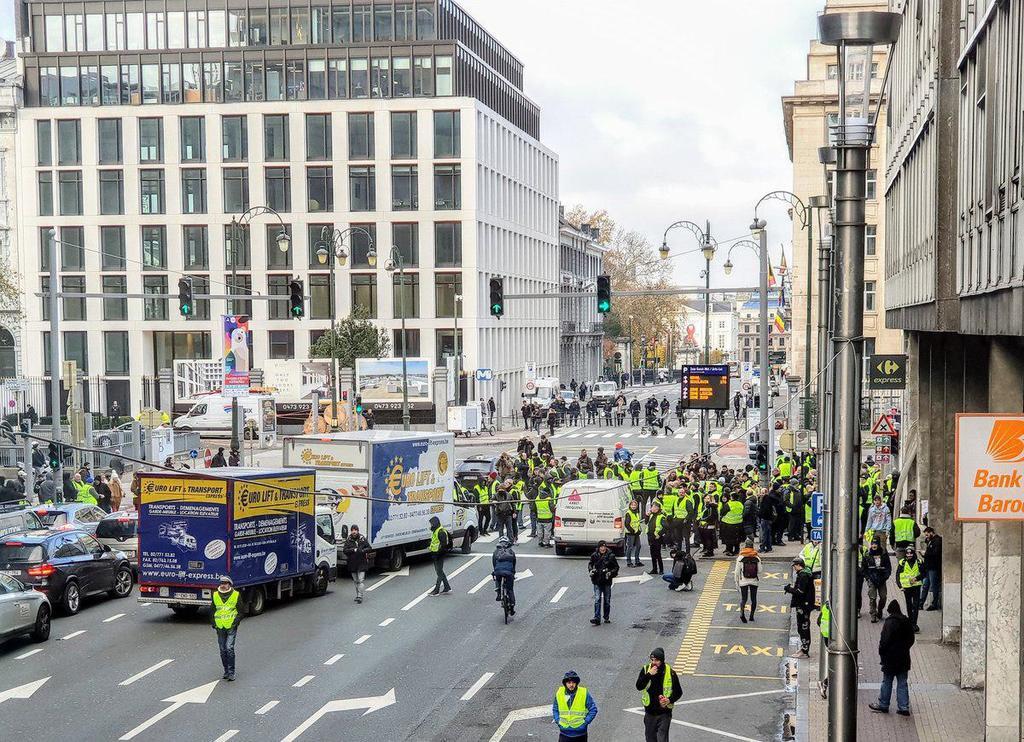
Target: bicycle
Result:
[[506, 601]]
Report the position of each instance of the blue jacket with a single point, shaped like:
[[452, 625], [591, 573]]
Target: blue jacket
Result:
[[623, 454], [591, 713], [504, 563]]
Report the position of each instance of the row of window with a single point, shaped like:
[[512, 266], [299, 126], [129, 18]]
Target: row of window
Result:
[[195, 247], [405, 296], [237, 27], [277, 190], [259, 79], [235, 138]]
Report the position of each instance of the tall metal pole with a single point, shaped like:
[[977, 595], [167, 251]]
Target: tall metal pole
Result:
[[629, 360], [705, 415], [334, 340], [396, 257], [458, 385], [764, 433], [55, 428], [824, 403], [236, 232], [809, 218], [851, 181]]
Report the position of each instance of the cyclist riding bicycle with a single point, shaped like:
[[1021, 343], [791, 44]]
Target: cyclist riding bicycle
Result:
[[504, 563]]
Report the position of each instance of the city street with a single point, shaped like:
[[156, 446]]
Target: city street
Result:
[[422, 668]]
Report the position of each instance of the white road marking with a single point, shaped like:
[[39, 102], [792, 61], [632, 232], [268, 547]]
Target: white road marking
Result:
[[418, 599], [386, 622], [719, 732], [334, 659], [488, 538], [143, 605], [734, 695], [473, 590], [626, 435], [362, 639], [533, 712], [226, 736], [591, 435], [573, 435], [608, 435], [403, 572], [266, 707], [559, 594], [72, 635], [29, 653], [475, 688], [199, 694], [302, 681], [113, 618], [144, 673]]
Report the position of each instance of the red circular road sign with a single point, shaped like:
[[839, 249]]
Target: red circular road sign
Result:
[[208, 458]]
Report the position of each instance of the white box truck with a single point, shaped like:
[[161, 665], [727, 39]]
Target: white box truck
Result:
[[389, 483]]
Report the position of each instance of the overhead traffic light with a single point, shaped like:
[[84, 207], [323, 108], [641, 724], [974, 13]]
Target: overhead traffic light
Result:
[[497, 297], [762, 457], [53, 455], [604, 294], [186, 299], [296, 299]]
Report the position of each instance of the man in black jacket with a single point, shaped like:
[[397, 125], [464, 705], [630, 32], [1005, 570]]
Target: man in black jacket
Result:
[[932, 569], [603, 569], [802, 603], [660, 689], [355, 549], [894, 651], [875, 569]]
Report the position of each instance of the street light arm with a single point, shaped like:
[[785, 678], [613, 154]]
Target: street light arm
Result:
[[803, 213], [702, 237], [252, 212], [746, 243]]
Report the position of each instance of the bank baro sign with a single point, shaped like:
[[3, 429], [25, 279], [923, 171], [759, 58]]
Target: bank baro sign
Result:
[[989, 467]]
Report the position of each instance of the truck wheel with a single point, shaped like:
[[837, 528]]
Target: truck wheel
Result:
[[396, 559], [320, 581], [467, 541], [257, 600], [185, 611], [559, 550]]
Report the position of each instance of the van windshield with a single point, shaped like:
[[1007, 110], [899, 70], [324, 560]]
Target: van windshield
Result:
[[199, 409]]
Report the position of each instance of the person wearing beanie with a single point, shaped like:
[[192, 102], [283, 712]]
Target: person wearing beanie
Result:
[[604, 568], [573, 709], [225, 617], [659, 690], [746, 574]]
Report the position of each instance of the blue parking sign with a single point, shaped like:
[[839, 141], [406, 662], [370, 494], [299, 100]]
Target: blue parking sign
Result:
[[817, 534], [817, 510]]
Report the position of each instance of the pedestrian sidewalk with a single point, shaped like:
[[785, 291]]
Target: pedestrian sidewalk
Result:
[[940, 709]]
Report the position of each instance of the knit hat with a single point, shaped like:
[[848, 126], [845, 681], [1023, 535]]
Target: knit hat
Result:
[[658, 654]]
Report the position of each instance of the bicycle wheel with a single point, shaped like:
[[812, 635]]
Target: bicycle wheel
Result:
[[504, 603]]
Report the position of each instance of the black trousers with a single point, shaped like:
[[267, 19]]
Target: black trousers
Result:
[[484, 512], [803, 628], [656, 563], [751, 591], [442, 578], [656, 727], [912, 597]]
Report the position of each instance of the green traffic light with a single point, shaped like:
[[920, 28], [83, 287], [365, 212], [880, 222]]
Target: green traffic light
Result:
[[496, 308], [604, 307]]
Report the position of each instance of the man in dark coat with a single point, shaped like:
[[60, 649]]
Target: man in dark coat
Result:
[[894, 650], [604, 568]]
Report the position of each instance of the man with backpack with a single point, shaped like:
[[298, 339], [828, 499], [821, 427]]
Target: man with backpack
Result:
[[683, 570], [746, 575], [504, 511]]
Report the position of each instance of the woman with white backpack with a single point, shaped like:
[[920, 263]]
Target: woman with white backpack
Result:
[[747, 574]]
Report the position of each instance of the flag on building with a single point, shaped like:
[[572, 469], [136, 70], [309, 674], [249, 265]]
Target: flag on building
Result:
[[771, 276], [780, 322]]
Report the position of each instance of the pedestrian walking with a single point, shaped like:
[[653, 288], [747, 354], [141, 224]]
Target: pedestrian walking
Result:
[[604, 568], [875, 569], [879, 523], [218, 459], [802, 603], [225, 617], [655, 531], [894, 652], [634, 523], [905, 530], [233, 458], [659, 690], [736, 407], [440, 542], [908, 577], [573, 709], [932, 569], [355, 548], [116, 492], [747, 575]]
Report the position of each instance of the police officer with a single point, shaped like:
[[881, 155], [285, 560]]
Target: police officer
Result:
[[225, 617], [573, 709]]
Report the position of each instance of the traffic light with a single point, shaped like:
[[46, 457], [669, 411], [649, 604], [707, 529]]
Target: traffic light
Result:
[[604, 294], [53, 454], [296, 299], [186, 301], [359, 405], [497, 297], [762, 457]]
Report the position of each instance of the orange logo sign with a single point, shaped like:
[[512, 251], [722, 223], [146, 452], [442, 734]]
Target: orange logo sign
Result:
[[1006, 443]]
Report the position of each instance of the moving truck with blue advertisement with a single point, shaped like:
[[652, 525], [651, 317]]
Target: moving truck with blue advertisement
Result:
[[389, 483], [261, 527]]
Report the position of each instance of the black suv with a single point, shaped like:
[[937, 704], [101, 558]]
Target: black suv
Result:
[[66, 565]]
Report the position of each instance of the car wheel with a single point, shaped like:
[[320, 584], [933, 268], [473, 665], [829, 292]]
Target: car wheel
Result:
[[560, 550], [396, 559], [257, 601], [321, 581], [122, 583], [467, 541], [41, 631], [71, 601]]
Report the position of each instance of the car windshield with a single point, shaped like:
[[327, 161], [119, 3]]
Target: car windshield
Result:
[[475, 466], [53, 518], [117, 528], [13, 552], [605, 386]]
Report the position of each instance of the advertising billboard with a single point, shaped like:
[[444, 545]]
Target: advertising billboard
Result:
[[380, 380], [989, 467], [413, 473], [273, 528], [237, 360]]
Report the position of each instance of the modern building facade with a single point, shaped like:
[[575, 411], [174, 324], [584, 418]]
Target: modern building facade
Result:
[[955, 286], [808, 115], [148, 126], [581, 327], [10, 300]]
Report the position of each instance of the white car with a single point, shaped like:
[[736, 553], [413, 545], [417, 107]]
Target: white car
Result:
[[591, 510], [23, 610], [120, 531]]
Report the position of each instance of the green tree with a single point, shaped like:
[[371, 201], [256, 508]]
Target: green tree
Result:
[[353, 337]]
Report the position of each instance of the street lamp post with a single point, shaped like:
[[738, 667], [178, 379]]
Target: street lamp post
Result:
[[854, 35], [333, 241], [396, 262], [238, 223], [54, 307], [458, 359]]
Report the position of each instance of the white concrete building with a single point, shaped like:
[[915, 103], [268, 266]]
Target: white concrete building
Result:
[[724, 330], [407, 120], [581, 261], [10, 101]]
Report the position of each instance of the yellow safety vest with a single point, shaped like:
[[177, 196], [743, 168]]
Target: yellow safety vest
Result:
[[735, 515], [634, 480], [904, 528], [84, 493], [655, 524], [635, 521], [225, 611], [666, 686], [435, 539], [810, 554], [826, 621], [668, 504], [482, 494], [786, 469], [543, 503], [650, 479], [571, 717], [911, 575]]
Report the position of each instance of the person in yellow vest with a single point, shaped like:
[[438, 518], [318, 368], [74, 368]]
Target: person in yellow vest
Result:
[[633, 522], [651, 481], [905, 530], [573, 709], [655, 532], [545, 504], [785, 467], [669, 506], [225, 616], [659, 690], [910, 576], [483, 498], [636, 487], [731, 513], [811, 554], [84, 492], [440, 542]]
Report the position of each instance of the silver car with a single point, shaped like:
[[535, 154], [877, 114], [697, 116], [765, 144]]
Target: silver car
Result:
[[23, 610]]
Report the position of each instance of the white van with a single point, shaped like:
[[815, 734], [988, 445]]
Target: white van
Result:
[[591, 510], [211, 415], [604, 391]]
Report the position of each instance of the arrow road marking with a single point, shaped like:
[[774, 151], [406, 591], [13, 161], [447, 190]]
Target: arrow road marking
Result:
[[199, 694], [641, 578], [480, 584], [416, 601], [371, 704], [559, 594], [533, 712], [403, 572], [23, 691], [475, 688], [144, 673], [719, 732]]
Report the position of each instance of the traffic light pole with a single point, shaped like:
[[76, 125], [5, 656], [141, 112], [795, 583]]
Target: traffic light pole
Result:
[[55, 428]]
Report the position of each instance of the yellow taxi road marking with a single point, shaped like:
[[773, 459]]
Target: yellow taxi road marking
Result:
[[334, 659], [750, 628], [266, 707], [302, 681], [752, 651], [774, 576], [734, 677], [761, 608], [700, 622]]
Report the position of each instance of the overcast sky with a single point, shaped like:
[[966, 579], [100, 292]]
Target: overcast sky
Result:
[[661, 110]]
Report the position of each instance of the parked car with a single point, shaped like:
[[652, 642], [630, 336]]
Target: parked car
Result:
[[70, 515], [66, 566], [120, 531], [23, 610], [106, 438], [474, 469], [16, 518]]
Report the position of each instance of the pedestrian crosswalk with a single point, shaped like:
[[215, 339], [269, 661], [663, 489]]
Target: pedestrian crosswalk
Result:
[[679, 434]]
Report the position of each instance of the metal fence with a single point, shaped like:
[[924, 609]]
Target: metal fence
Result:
[[96, 395]]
